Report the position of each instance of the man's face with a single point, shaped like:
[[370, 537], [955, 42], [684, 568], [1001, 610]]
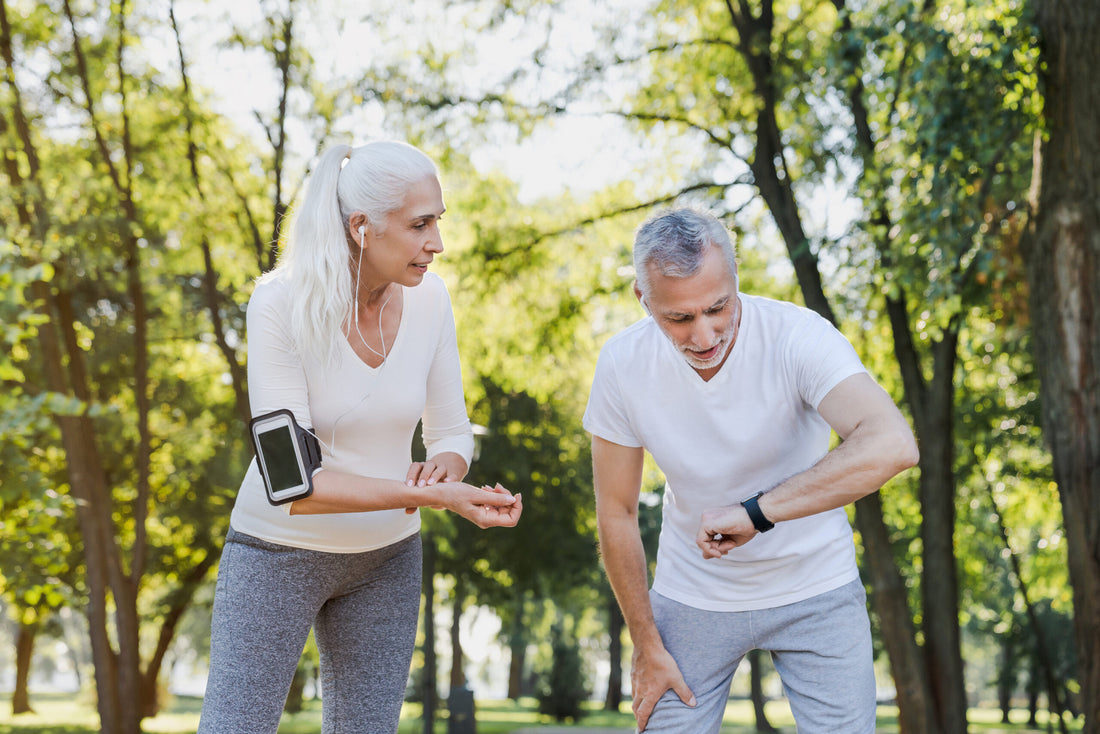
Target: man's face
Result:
[[700, 314]]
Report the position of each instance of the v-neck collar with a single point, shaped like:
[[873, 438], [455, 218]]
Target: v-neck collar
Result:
[[396, 339]]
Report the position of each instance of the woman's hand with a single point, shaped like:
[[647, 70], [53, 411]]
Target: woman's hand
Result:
[[486, 507], [445, 467]]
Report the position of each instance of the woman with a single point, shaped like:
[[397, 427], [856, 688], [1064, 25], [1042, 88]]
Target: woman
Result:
[[352, 334]]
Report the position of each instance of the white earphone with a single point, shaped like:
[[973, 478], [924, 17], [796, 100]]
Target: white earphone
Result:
[[358, 266]]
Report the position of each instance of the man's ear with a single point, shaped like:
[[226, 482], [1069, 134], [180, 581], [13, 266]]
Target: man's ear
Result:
[[640, 297]]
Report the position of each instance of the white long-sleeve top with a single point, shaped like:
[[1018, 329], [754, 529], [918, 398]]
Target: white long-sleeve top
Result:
[[364, 416]]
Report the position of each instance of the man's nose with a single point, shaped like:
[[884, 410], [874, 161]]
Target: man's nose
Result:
[[702, 333]]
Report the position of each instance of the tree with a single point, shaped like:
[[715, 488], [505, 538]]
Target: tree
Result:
[[1062, 253], [1013, 563], [564, 687], [39, 561], [770, 94], [781, 97], [140, 417], [972, 184]]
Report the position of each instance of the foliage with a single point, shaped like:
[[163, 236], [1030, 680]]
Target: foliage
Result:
[[537, 285], [141, 368], [563, 686]]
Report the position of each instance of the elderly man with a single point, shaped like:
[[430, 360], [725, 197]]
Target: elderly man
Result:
[[734, 397]]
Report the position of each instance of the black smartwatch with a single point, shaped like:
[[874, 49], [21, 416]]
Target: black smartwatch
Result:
[[751, 505]]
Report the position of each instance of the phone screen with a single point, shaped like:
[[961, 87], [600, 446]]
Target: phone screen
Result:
[[280, 459]]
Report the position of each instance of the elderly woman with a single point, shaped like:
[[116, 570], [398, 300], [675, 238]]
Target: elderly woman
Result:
[[353, 335]]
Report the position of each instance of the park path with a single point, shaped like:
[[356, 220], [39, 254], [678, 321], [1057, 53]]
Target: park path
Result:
[[573, 730]]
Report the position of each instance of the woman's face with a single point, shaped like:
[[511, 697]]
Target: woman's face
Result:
[[401, 250]]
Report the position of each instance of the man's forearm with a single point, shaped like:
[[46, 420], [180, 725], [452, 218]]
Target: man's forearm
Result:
[[625, 563], [858, 466]]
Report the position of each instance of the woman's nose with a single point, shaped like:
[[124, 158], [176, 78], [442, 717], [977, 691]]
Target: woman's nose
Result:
[[434, 243]]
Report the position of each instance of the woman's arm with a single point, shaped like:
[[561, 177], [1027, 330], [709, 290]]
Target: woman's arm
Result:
[[335, 491], [446, 427]]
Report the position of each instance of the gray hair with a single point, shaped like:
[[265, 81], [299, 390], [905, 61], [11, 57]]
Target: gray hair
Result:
[[376, 177], [674, 243]]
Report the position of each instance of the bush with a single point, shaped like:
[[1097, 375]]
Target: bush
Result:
[[564, 687]]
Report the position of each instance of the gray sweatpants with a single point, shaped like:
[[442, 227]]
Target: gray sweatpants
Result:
[[363, 608], [821, 648]]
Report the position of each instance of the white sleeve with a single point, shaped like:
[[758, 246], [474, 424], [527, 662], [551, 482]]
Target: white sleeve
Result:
[[822, 358], [276, 378], [446, 424], [606, 415]]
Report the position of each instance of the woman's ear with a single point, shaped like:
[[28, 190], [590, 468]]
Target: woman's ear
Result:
[[358, 225]]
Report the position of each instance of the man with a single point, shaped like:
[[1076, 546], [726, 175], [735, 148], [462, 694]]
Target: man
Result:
[[734, 396]]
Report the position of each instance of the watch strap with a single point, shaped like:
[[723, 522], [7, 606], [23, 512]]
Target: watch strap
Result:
[[752, 506]]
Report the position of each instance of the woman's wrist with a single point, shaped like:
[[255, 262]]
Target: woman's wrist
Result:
[[434, 495]]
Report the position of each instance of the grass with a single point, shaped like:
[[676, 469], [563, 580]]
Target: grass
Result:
[[75, 714]]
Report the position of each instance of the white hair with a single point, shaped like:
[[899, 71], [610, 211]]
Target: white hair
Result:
[[317, 255], [674, 243]]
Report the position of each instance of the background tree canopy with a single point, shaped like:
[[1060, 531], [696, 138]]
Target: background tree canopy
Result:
[[875, 160]]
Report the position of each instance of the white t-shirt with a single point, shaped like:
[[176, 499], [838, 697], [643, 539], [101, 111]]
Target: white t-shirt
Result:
[[754, 424], [364, 416]]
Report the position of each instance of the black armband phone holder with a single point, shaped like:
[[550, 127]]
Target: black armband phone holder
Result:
[[287, 455]]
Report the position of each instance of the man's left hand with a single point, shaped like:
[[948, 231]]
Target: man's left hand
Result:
[[721, 529]]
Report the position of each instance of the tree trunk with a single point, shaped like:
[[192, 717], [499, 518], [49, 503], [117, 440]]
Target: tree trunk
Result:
[[458, 675], [1062, 254], [517, 645], [88, 486], [179, 603], [429, 692], [125, 683], [1033, 698], [756, 692], [888, 590], [768, 164], [939, 576], [615, 624], [890, 600], [213, 296], [24, 653], [1042, 650], [282, 50], [1006, 677], [930, 688]]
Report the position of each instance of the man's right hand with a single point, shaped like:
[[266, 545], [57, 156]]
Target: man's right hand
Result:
[[652, 673]]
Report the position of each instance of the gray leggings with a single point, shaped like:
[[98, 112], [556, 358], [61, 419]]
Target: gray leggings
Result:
[[821, 648], [363, 608]]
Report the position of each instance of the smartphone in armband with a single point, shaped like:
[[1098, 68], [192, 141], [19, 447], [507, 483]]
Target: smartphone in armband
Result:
[[288, 456]]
